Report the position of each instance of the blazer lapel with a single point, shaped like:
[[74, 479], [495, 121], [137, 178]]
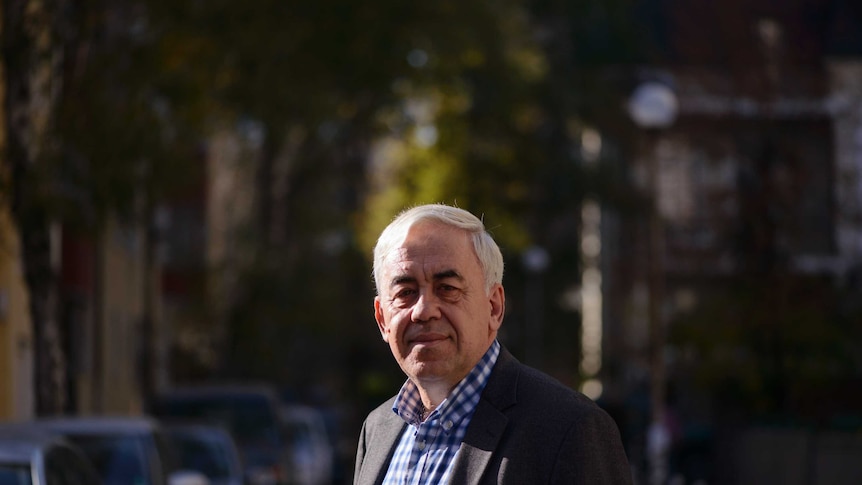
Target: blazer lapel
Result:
[[488, 423], [483, 434], [376, 461]]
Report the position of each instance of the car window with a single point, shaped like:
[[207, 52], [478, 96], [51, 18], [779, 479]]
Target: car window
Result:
[[63, 466], [204, 456], [300, 433], [251, 419], [120, 460], [167, 453], [15, 475]]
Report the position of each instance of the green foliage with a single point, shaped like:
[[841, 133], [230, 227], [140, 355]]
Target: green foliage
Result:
[[129, 115]]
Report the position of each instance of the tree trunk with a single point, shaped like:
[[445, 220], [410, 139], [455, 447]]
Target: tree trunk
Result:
[[31, 71]]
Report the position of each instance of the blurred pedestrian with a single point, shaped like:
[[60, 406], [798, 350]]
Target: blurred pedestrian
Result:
[[469, 412]]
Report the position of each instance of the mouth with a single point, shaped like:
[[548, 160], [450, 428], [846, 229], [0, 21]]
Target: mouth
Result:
[[426, 340]]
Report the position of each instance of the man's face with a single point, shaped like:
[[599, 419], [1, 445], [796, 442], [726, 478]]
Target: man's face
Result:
[[433, 309]]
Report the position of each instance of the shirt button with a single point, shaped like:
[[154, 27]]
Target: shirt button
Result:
[[448, 425], [421, 445]]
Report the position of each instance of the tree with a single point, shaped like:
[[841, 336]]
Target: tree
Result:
[[32, 56], [326, 81], [100, 121]]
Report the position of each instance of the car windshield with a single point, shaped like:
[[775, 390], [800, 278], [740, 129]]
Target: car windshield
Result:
[[15, 475], [249, 418], [120, 460]]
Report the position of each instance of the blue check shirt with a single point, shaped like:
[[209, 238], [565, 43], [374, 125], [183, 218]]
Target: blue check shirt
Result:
[[427, 450]]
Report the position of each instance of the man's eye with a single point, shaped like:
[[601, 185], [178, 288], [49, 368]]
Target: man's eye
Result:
[[447, 290], [405, 293]]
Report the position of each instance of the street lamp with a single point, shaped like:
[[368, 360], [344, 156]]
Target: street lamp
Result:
[[653, 106]]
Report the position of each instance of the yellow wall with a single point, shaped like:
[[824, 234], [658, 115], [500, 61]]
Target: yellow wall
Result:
[[16, 342], [122, 311]]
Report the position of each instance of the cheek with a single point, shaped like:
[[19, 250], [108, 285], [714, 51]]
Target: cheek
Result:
[[394, 326], [396, 343]]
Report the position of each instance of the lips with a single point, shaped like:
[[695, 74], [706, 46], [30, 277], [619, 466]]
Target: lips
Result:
[[427, 338]]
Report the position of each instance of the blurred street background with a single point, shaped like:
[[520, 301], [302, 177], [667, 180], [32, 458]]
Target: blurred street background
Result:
[[190, 191]]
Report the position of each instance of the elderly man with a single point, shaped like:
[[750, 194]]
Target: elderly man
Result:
[[469, 412]]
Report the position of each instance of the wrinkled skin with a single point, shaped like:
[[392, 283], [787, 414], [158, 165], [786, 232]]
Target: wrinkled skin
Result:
[[433, 309]]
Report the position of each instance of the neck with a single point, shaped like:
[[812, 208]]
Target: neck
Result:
[[426, 411], [432, 396]]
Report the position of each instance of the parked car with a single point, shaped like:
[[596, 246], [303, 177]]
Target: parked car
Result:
[[29, 456], [208, 449], [249, 412], [124, 450], [313, 453]]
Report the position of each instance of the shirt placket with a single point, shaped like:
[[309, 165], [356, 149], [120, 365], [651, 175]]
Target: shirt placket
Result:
[[423, 445]]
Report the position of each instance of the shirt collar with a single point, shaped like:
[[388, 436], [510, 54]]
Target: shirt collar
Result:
[[459, 403]]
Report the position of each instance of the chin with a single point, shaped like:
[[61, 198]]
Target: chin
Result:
[[428, 370]]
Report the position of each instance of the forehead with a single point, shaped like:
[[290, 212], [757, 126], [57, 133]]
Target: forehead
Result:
[[432, 244]]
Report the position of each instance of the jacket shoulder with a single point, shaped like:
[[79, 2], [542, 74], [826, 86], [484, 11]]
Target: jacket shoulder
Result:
[[511, 380], [381, 414]]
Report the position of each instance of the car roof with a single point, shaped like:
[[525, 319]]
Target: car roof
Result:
[[300, 412], [17, 451], [132, 425], [20, 441], [197, 428]]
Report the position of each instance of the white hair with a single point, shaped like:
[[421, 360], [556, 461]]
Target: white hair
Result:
[[486, 249]]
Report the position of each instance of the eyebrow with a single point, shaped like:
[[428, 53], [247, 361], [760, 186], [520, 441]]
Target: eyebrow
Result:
[[402, 279], [442, 275]]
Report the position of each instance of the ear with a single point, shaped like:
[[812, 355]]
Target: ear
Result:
[[497, 299], [381, 323]]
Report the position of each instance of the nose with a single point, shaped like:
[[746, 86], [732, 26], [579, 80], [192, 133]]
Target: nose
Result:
[[426, 308]]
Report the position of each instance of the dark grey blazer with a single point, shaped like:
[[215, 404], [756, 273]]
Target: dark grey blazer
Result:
[[528, 429]]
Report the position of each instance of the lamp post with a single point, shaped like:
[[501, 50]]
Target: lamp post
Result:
[[535, 260], [653, 106]]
